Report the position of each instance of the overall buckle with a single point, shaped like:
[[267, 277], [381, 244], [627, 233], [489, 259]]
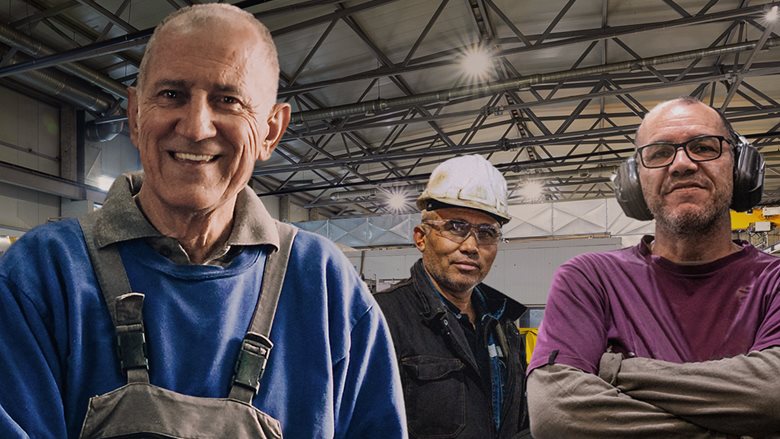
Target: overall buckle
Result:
[[252, 358], [131, 343]]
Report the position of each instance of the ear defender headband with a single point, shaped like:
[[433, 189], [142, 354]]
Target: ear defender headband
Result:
[[748, 181]]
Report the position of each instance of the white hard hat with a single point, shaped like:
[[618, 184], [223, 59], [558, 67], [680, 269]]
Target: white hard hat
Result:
[[467, 181]]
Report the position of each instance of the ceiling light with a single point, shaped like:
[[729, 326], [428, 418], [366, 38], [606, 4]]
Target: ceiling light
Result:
[[532, 190], [104, 182], [476, 63], [397, 199], [771, 15]]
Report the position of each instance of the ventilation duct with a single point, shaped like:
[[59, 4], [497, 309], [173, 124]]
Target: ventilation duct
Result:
[[59, 85], [36, 49], [103, 132]]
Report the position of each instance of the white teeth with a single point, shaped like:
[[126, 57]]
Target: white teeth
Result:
[[192, 157]]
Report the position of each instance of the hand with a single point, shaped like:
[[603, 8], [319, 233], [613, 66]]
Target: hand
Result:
[[609, 366]]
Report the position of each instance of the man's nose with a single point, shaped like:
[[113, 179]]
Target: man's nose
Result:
[[197, 122], [470, 244], [682, 164]]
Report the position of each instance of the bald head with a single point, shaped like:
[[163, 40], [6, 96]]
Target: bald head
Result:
[[667, 109], [200, 18]]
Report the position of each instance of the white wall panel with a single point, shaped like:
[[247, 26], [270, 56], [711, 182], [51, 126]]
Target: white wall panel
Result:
[[529, 220], [29, 132], [29, 137], [579, 218], [24, 209], [620, 224], [568, 218]]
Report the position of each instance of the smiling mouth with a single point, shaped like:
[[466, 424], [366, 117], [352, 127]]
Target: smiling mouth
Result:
[[188, 157]]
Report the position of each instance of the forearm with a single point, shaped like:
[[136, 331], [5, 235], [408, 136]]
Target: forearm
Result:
[[739, 395], [565, 402]]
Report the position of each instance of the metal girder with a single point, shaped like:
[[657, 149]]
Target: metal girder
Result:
[[51, 12], [447, 58], [49, 184], [110, 16], [464, 149], [552, 101], [381, 105]]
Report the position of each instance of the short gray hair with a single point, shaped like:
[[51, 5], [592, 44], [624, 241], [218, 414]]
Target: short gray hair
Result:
[[190, 18]]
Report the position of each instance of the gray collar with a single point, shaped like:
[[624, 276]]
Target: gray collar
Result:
[[120, 219]]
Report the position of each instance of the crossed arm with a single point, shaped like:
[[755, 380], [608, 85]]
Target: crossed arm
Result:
[[646, 398]]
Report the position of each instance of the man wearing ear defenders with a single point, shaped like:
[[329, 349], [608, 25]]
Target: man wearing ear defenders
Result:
[[680, 335]]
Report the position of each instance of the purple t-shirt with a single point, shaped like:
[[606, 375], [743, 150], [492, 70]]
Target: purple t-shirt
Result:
[[647, 306]]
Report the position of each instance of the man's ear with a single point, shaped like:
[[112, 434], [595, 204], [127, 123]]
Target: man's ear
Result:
[[419, 237], [277, 123], [132, 114]]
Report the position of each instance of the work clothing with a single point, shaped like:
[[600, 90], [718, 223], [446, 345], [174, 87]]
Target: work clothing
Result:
[[647, 306], [330, 374], [447, 388], [699, 347], [142, 409]]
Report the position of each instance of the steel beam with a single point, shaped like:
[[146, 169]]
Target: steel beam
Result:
[[49, 184], [446, 58], [380, 105]]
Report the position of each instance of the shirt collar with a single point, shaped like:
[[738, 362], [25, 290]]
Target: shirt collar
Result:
[[120, 219]]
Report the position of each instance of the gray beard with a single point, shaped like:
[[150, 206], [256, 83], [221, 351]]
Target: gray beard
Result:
[[692, 223]]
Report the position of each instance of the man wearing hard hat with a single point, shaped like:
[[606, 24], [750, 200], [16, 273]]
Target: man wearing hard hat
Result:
[[459, 351]]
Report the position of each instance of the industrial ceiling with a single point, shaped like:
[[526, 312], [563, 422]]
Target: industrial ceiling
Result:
[[380, 93]]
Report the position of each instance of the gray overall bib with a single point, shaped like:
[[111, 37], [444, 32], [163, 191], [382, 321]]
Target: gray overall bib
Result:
[[142, 410]]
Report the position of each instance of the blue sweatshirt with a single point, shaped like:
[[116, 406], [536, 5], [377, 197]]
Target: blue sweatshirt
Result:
[[331, 373]]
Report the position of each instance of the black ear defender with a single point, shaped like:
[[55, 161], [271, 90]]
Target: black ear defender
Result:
[[748, 182], [628, 191], [749, 169]]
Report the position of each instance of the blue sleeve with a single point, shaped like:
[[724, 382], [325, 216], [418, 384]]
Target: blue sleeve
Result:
[[30, 379], [368, 382]]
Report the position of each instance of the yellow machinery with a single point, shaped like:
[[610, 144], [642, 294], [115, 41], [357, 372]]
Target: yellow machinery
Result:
[[530, 335], [758, 227], [756, 220]]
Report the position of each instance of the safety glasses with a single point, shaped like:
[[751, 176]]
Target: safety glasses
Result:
[[458, 231]]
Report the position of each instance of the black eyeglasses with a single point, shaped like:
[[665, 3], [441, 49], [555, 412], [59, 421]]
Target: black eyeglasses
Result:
[[458, 231], [698, 149]]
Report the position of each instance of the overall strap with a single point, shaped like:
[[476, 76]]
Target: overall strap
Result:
[[124, 306], [256, 346]]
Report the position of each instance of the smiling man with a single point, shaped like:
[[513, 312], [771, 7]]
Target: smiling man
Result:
[[678, 336], [461, 356], [181, 308]]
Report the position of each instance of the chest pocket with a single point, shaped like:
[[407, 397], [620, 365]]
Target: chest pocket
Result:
[[435, 395]]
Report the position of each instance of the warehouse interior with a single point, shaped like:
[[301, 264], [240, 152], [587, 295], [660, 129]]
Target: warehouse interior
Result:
[[384, 90]]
